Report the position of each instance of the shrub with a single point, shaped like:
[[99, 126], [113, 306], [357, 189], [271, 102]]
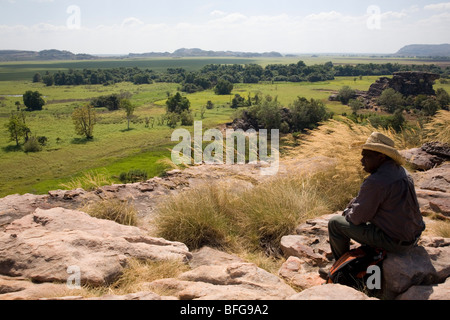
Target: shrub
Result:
[[133, 176], [32, 145], [345, 94], [223, 87], [33, 100]]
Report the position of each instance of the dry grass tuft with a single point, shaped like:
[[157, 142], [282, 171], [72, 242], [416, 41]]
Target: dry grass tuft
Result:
[[89, 181], [122, 212]]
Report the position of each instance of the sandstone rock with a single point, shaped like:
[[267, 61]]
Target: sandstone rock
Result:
[[144, 295], [330, 292], [42, 245], [217, 275], [407, 83], [421, 160], [226, 281], [301, 247], [207, 256], [437, 148], [23, 289], [294, 272], [431, 292], [441, 206], [437, 179], [419, 266]]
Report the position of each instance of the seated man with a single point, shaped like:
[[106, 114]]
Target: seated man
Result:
[[385, 214]]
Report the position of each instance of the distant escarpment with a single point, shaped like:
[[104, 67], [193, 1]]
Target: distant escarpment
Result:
[[45, 55], [425, 50]]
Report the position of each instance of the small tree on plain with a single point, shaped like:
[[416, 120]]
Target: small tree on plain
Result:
[[33, 100], [17, 127], [126, 105], [84, 119]]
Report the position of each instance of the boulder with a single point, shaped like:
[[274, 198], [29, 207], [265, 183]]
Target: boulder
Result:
[[431, 292], [421, 160], [23, 289], [437, 148], [331, 292], [297, 275], [422, 265], [43, 245], [221, 276]]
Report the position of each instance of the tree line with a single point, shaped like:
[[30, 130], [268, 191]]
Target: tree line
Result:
[[209, 76]]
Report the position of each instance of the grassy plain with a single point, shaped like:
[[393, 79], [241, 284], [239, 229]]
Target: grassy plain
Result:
[[114, 149]]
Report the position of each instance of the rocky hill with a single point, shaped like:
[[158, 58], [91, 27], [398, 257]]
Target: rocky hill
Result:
[[45, 55], [195, 52], [425, 50]]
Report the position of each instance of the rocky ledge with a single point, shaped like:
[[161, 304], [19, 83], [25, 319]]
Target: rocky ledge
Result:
[[45, 239]]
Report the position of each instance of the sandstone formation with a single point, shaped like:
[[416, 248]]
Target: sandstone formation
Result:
[[43, 246], [42, 236], [408, 83]]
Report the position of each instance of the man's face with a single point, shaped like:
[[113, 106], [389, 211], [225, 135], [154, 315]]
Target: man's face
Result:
[[372, 160]]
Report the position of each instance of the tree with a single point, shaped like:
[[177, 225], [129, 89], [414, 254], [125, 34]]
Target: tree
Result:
[[443, 98], [84, 119], [391, 100], [238, 102], [17, 127], [307, 114], [345, 94], [126, 105], [33, 100], [268, 113], [355, 105], [223, 87], [177, 104]]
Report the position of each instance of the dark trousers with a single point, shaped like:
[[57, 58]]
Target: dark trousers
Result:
[[341, 232]]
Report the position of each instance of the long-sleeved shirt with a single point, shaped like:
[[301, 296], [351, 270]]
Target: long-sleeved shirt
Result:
[[387, 199]]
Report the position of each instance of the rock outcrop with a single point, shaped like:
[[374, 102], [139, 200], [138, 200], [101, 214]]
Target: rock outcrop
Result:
[[44, 245], [408, 83], [42, 237]]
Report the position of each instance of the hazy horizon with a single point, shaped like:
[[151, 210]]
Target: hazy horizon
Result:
[[107, 27]]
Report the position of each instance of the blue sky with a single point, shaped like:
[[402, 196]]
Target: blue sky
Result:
[[288, 26]]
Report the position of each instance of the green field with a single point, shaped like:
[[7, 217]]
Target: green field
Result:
[[114, 149]]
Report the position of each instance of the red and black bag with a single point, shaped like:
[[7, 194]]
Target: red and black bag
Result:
[[351, 268]]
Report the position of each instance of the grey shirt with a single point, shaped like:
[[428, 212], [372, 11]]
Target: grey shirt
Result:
[[387, 199]]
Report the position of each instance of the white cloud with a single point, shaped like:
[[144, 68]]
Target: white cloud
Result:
[[131, 23], [332, 31], [438, 6], [218, 13]]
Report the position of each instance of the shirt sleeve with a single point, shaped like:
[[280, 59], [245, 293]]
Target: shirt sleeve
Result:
[[366, 204]]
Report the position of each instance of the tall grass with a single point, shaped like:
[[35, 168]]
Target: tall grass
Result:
[[88, 181], [122, 212], [256, 218]]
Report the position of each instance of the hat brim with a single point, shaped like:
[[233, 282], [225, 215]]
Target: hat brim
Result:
[[386, 150]]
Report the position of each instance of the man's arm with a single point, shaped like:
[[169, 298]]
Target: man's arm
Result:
[[365, 205]]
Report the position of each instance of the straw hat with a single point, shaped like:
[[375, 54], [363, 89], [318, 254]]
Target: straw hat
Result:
[[380, 143]]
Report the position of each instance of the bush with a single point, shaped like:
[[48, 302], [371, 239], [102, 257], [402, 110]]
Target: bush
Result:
[[223, 87], [33, 100], [133, 176], [32, 145], [345, 94]]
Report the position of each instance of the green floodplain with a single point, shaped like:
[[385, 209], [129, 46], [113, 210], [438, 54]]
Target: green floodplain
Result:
[[115, 149]]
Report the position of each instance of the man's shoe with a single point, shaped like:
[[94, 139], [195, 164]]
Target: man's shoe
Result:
[[323, 274]]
